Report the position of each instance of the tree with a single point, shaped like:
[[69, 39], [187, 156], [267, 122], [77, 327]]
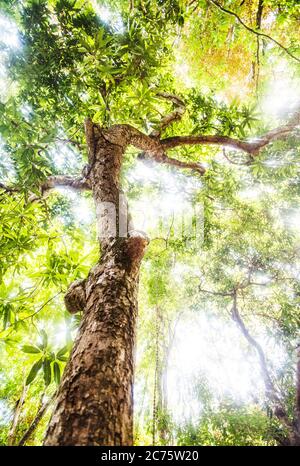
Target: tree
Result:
[[75, 67]]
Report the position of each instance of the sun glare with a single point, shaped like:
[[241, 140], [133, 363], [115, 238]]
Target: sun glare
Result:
[[210, 350], [108, 16], [282, 95], [9, 35], [166, 202], [82, 207]]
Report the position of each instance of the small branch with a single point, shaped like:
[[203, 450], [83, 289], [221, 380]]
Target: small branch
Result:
[[258, 26], [232, 161], [259, 13], [259, 34], [164, 159], [171, 117], [215, 293]]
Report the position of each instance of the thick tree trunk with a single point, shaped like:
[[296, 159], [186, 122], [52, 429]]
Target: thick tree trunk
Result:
[[95, 402]]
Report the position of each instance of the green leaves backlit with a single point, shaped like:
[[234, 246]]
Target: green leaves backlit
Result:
[[48, 361]]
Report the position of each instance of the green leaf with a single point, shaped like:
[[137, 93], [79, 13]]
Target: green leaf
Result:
[[62, 358], [62, 351], [44, 339], [7, 316], [30, 349], [34, 371], [47, 371], [56, 372]]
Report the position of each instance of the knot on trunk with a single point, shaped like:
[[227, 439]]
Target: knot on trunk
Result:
[[75, 298], [133, 250]]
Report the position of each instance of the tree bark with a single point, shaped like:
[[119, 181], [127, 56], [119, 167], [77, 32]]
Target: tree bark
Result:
[[43, 406], [292, 435], [95, 403], [18, 408], [296, 437]]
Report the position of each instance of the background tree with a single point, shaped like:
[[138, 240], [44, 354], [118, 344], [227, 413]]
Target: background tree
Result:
[[121, 77]]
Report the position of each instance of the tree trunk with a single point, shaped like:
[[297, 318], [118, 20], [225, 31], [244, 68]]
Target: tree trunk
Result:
[[19, 404], [296, 437], [43, 406], [95, 402], [291, 435]]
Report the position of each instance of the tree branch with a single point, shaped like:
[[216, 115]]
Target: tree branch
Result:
[[171, 117], [259, 34], [52, 182], [8, 189], [215, 293], [176, 141], [233, 162], [64, 180], [155, 149], [164, 159], [252, 148]]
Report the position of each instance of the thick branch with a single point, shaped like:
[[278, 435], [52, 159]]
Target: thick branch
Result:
[[155, 149], [64, 180], [257, 33], [251, 148], [51, 183], [176, 141]]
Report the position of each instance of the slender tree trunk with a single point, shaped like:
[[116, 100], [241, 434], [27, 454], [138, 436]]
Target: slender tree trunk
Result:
[[292, 437], [162, 376], [95, 402], [19, 404], [43, 406], [296, 438]]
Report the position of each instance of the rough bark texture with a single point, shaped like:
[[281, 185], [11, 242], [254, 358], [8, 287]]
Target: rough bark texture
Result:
[[95, 403]]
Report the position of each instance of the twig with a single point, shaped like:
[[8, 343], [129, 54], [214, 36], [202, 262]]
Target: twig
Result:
[[259, 34]]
